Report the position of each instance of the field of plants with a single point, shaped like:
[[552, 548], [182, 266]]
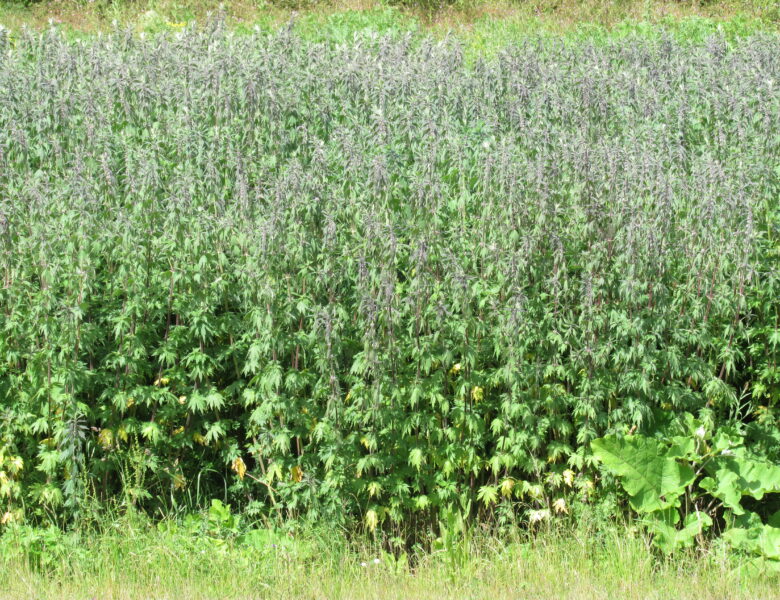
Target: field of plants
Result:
[[391, 286]]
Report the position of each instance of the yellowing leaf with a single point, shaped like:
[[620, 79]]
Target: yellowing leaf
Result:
[[297, 474], [106, 439], [506, 487], [199, 439], [372, 519], [15, 464], [178, 481], [477, 394], [374, 489], [559, 506], [568, 477], [455, 369], [239, 467]]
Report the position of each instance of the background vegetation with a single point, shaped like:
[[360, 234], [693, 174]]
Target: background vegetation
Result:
[[348, 272], [438, 15]]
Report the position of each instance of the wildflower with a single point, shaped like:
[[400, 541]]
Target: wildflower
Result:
[[376, 561], [364, 564]]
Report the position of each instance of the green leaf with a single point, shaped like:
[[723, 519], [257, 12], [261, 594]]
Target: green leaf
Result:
[[487, 494], [667, 537], [763, 540], [416, 458], [151, 431], [725, 487], [653, 480], [736, 475]]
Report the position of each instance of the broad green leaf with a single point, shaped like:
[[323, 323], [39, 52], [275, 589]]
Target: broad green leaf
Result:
[[737, 474], [652, 480], [763, 540], [663, 525]]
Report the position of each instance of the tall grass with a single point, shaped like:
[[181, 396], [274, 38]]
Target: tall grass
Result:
[[132, 559]]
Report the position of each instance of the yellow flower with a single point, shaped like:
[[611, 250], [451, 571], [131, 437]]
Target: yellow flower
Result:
[[176, 25]]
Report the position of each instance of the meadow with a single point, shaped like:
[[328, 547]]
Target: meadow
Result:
[[350, 307]]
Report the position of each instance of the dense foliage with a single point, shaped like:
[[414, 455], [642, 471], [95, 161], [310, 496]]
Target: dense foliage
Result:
[[374, 280], [687, 479]]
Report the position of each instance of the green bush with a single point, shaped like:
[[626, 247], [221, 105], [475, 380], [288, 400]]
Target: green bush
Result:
[[372, 281]]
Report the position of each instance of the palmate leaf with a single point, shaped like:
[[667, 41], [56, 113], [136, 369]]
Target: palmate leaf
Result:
[[653, 480]]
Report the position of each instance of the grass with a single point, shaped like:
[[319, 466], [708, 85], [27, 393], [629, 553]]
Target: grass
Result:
[[132, 560], [506, 17]]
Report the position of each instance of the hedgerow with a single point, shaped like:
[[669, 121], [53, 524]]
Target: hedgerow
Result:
[[374, 281]]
